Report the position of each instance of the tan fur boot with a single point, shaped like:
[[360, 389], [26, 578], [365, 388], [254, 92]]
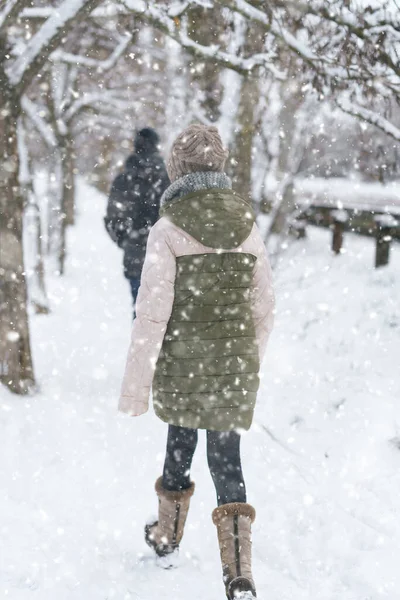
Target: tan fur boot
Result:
[[233, 523], [165, 534]]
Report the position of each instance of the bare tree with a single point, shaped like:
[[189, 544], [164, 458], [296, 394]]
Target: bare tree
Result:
[[242, 145], [33, 243], [340, 50], [15, 77]]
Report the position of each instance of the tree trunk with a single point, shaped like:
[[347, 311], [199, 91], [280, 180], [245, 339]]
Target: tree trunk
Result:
[[293, 124], [241, 158], [105, 164], [68, 187], [241, 154], [16, 367], [206, 75], [177, 108], [62, 247], [37, 284], [53, 195], [286, 206], [287, 129], [67, 200], [32, 229]]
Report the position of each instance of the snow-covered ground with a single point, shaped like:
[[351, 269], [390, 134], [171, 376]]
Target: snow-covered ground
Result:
[[322, 462]]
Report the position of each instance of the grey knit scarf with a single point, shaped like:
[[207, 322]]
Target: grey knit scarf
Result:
[[193, 182]]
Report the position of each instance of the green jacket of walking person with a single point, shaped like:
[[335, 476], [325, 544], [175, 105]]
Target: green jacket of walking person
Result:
[[204, 314], [205, 305]]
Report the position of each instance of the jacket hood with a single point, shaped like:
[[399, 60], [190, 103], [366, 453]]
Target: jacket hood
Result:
[[146, 140], [218, 218]]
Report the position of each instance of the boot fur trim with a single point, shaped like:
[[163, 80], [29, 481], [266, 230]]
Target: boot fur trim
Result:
[[234, 508], [171, 495]]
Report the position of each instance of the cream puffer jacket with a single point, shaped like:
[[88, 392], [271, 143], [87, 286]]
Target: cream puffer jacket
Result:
[[155, 300]]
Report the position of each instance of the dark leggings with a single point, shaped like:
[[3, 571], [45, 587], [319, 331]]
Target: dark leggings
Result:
[[223, 455]]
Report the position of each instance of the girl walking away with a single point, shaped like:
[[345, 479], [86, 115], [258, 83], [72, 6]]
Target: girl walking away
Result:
[[204, 314]]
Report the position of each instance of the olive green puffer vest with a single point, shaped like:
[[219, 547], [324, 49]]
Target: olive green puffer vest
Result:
[[207, 371]]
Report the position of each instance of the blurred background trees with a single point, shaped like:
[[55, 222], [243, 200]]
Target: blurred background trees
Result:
[[298, 90]]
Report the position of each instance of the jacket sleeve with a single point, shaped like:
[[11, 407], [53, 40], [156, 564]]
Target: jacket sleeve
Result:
[[160, 183], [118, 219], [263, 298], [153, 310]]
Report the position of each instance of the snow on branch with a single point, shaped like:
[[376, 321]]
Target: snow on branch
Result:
[[161, 19], [362, 28], [44, 12], [24, 174], [100, 65], [10, 10], [32, 111], [46, 40], [103, 98], [342, 14], [370, 117], [231, 61], [177, 9], [272, 25]]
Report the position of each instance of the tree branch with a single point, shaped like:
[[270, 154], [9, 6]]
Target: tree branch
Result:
[[93, 98], [100, 65], [352, 23], [47, 38], [271, 25], [31, 110], [370, 117], [320, 64], [174, 28], [10, 12], [40, 13]]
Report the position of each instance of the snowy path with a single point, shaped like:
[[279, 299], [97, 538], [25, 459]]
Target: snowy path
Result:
[[321, 462]]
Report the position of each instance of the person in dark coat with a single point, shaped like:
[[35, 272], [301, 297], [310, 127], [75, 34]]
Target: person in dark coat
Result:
[[134, 202]]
